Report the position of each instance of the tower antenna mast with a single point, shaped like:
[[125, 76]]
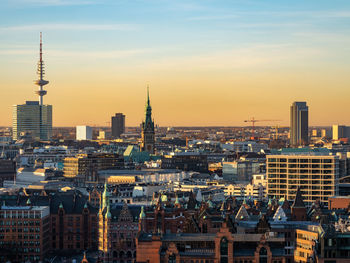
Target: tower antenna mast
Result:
[[41, 72]]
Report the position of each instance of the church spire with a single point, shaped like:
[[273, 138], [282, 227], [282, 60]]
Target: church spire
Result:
[[148, 108], [148, 102], [147, 135]]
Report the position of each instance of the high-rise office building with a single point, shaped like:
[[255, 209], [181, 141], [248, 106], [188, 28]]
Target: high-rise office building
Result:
[[118, 125], [299, 124], [147, 133], [34, 117], [83, 133]]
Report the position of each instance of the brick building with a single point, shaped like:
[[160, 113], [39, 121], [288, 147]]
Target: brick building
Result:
[[24, 233], [74, 223], [118, 227], [71, 223], [222, 246]]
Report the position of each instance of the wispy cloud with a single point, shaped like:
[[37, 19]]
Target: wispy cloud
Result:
[[251, 57], [301, 13], [77, 27], [53, 2], [211, 17], [107, 54], [81, 54]]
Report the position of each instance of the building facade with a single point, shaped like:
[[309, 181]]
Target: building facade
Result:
[[118, 228], [316, 175], [24, 233], [196, 162], [148, 132], [84, 167], [7, 170], [33, 119], [83, 133], [74, 224], [118, 125], [340, 132], [299, 124], [34, 223]]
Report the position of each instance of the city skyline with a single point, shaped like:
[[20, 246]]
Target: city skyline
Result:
[[206, 64]]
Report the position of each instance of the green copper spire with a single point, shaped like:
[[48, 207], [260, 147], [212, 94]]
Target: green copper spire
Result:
[[209, 202], [108, 212], [147, 134], [148, 124], [148, 102], [105, 197], [142, 214]]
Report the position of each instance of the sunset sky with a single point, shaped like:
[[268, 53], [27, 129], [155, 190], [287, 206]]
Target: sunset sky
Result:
[[206, 62]]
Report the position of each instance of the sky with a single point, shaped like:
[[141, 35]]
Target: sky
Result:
[[207, 63]]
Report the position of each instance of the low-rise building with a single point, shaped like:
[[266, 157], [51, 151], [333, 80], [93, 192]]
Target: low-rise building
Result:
[[7, 170], [84, 167]]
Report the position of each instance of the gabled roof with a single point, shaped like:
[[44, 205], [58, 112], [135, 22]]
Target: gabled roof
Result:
[[133, 212], [242, 214], [280, 215]]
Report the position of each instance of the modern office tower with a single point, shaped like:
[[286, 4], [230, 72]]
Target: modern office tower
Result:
[[299, 124], [83, 133], [316, 174], [118, 125], [34, 117], [340, 131], [147, 133]]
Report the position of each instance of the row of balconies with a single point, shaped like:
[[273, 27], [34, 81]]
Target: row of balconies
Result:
[[303, 160]]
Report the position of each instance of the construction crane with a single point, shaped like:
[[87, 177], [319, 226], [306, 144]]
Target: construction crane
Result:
[[276, 130], [253, 121]]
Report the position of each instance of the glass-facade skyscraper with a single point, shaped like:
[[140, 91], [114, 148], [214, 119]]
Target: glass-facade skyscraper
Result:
[[299, 124], [33, 119]]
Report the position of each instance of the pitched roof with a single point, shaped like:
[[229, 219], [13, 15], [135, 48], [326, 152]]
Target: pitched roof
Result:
[[298, 201], [280, 215], [242, 214]]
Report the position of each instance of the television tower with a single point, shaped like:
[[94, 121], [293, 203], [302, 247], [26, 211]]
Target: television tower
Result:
[[41, 72]]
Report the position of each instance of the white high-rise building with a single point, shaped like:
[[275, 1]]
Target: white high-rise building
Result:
[[83, 133]]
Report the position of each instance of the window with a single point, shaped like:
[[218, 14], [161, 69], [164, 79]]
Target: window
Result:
[[263, 255], [224, 250]]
